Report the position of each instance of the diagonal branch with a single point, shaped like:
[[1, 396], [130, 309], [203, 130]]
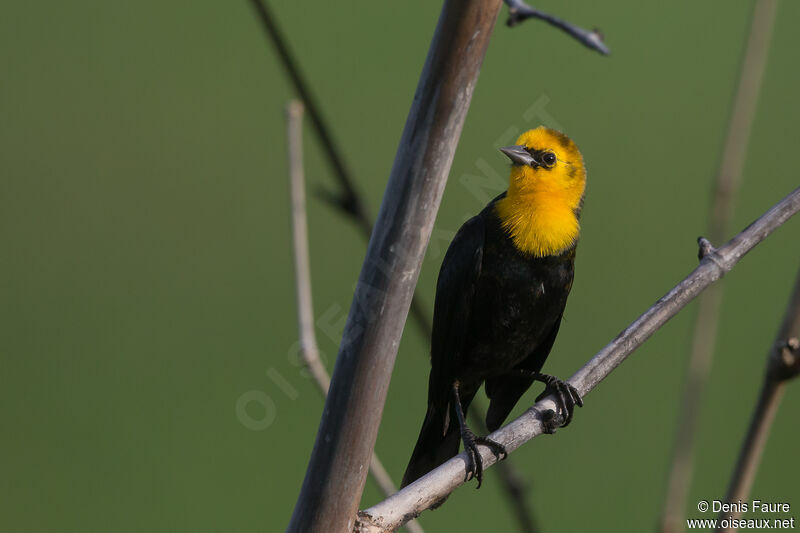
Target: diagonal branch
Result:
[[519, 11], [337, 470], [350, 199], [431, 488], [707, 319], [309, 350], [783, 364]]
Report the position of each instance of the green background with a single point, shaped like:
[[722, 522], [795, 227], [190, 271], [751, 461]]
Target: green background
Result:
[[146, 271]]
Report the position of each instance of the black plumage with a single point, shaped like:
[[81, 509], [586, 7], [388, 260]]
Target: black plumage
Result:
[[496, 317]]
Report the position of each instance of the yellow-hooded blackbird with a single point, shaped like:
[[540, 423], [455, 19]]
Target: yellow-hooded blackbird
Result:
[[502, 289]]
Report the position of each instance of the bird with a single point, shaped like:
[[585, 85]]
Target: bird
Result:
[[500, 298]]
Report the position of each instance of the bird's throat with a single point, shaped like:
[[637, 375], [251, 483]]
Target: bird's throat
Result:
[[540, 223]]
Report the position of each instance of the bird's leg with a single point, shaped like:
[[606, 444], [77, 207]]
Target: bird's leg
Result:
[[567, 397], [471, 441]]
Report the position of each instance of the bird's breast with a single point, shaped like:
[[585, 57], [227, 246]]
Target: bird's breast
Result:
[[517, 301]]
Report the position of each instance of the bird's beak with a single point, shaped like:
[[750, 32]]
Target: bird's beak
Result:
[[518, 155]]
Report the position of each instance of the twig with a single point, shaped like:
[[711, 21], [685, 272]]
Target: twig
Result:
[[783, 364], [426, 491], [337, 470], [349, 199], [707, 319], [518, 11], [309, 351], [350, 202]]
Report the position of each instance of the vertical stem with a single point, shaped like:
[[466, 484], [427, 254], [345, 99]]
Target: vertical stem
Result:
[[337, 469], [707, 322], [780, 368], [754, 443], [741, 121], [309, 351]]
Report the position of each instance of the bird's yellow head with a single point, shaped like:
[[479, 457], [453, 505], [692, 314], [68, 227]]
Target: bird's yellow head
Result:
[[545, 192]]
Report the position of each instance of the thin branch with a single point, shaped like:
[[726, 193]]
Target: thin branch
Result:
[[309, 351], [783, 364], [519, 11], [707, 319], [349, 198], [431, 488], [337, 471]]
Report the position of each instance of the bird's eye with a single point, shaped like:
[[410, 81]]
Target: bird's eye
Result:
[[549, 158]]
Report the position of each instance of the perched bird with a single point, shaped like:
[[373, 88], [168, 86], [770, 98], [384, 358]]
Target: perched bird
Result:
[[502, 289]]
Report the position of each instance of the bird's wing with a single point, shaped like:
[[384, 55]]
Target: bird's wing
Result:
[[458, 279], [505, 391]]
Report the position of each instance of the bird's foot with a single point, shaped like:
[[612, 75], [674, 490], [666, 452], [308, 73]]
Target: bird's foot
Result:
[[475, 461], [567, 397]]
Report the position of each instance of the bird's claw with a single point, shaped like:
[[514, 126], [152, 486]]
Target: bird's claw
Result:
[[567, 397], [475, 461]]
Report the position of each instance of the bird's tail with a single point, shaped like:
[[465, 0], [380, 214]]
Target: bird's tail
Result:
[[437, 443]]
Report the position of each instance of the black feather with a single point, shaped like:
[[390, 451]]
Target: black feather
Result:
[[497, 310]]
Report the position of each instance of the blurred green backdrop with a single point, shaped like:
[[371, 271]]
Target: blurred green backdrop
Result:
[[147, 277]]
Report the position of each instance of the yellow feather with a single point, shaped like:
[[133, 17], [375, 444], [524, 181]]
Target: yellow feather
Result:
[[539, 210]]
